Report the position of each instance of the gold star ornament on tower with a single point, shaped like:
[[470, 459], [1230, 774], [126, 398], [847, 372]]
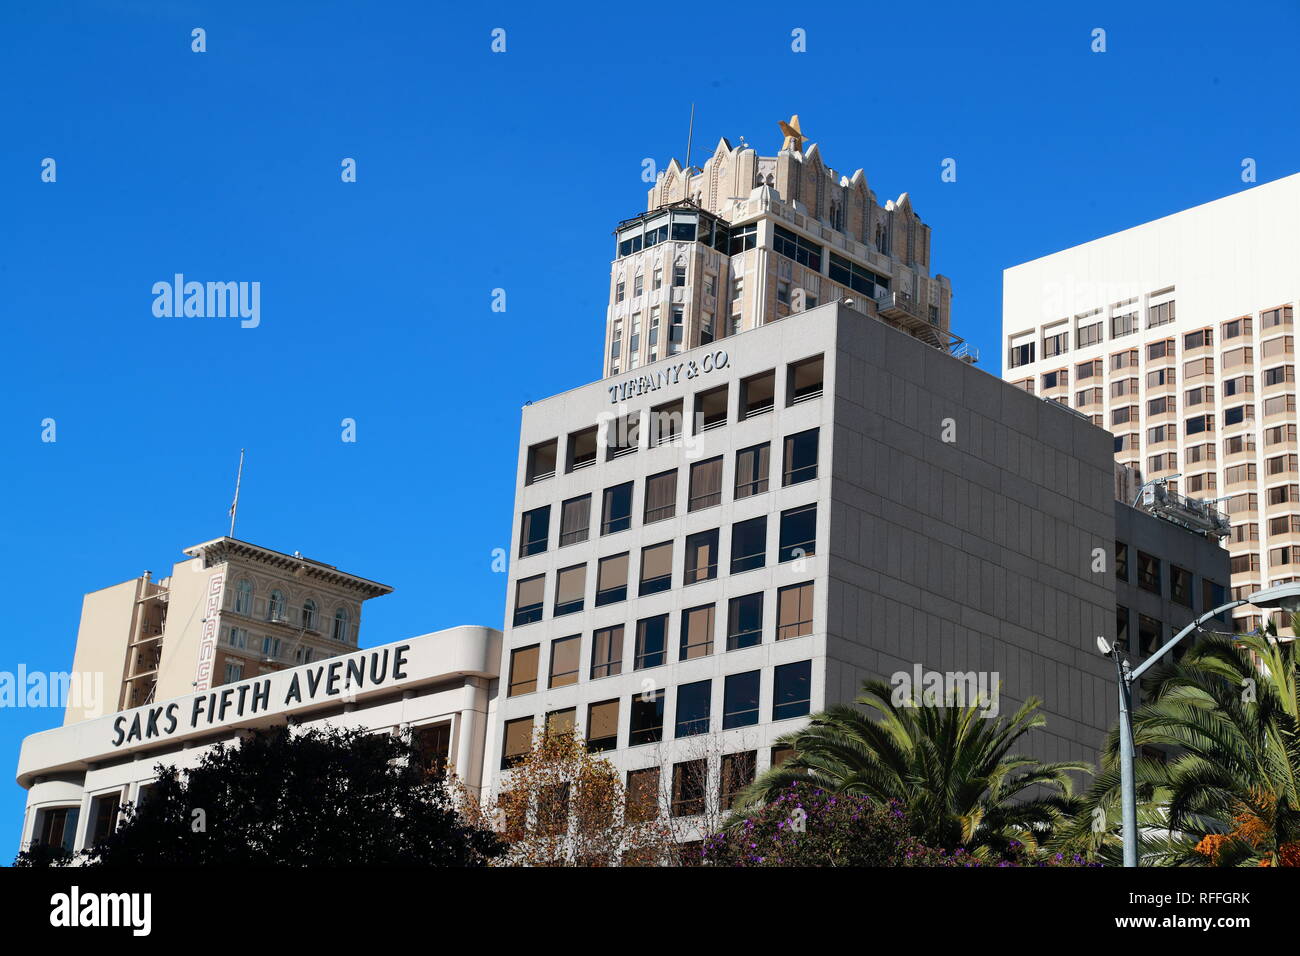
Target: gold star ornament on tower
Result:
[[794, 138]]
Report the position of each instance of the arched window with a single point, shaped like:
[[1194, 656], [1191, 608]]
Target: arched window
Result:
[[341, 623], [309, 614], [277, 608], [244, 597]]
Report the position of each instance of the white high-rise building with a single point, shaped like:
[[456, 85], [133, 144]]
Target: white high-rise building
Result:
[[1178, 336]]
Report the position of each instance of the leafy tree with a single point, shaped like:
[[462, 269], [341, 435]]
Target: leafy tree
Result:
[[562, 805], [949, 768], [1223, 789], [298, 798]]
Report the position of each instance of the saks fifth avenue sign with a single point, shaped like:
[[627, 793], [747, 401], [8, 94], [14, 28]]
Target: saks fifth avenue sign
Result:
[[669, 375], [342, 677]]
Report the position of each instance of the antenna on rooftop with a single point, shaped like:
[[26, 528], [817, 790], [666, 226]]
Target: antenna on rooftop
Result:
[[690, 135], [234, 505]]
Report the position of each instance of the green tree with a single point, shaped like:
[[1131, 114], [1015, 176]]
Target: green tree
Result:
[[298, 798], [949, 768], [1224, 786]]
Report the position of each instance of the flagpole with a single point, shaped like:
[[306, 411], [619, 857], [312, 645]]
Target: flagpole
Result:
[[234, 507]]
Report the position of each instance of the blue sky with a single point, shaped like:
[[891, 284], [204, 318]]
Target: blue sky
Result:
[[376, 295]]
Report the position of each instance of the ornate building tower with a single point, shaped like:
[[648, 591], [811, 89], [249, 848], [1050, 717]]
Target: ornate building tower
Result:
[[749, 239]]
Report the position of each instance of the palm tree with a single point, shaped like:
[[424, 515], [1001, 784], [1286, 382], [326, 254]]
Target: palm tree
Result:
[[950, 767], [1225, 788]]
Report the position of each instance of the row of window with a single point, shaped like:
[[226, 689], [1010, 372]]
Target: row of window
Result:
[[692, 714], [271, 648], [665, 423], [1150, 577], [797, 539], [307, 615], [1055, 339], [799, 464], [652, 640]]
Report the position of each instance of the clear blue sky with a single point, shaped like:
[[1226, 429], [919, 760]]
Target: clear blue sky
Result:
[[472, 166]]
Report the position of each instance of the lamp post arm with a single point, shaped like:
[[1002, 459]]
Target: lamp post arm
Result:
[[1181, 634]]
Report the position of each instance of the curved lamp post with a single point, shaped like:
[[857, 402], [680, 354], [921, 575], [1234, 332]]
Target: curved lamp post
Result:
[[1285, 597]]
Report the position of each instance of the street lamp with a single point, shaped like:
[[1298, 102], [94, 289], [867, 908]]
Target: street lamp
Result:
[[1285, 597]]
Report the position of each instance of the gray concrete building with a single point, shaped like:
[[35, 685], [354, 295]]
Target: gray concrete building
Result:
[[712, 547]]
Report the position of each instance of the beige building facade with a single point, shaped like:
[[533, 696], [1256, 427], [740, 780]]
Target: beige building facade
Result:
[[1178, 336], [748, 239], [231, 610]]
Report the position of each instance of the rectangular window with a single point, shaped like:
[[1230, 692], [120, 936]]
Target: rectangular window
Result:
[[690, 781], [561, 722], [651, 642], [602, 726], [706, 484], [582, 448], [1121, 627], [529, 599], [693, 708], [798, 533], [570, 586], [1161, 314], [607, 652], [736, 773], [667, 423], [702, 556], [642, 795], [656, 568], [523, 670], [103, 817], [751, 470], [740, 700], [564, 661], [647, 725], [1148, 572], [1020, 355], [794, 611], [804, 380], [748, 544], [1149, 630], [757, 394], [518, 741], [800, 462], [617, 511], [796, 247], [541, 461], [745, 621], [661, 496], [697, 633], [711, 409], [791, 690], [533, 531], [611, 579], [575, 520], [1180, 586]]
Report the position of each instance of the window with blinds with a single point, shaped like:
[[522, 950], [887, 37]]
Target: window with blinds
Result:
[[794, 611], [611, 579], [706, 484], [570, 586], [800, 461], [651, 642], [661, 496], [697, 632], [529, 599], [656, 568], [607, 652], [575, 520], [602, 726], [564, 661], [751, 470], [523, 670]]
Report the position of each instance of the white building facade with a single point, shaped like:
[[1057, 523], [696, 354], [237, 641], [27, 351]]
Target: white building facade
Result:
[[1178, 336]]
